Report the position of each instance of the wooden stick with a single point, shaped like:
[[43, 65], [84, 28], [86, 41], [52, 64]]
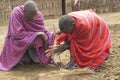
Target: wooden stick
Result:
[[54, 29]]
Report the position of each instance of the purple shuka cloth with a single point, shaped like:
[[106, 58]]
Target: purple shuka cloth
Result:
[[21, 33]]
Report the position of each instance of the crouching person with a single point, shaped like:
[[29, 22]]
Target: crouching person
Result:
[[27, 38], [88, 38]]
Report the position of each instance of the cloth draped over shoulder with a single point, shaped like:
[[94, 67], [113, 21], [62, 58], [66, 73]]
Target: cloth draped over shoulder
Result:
[[90, 41], [21, 33]]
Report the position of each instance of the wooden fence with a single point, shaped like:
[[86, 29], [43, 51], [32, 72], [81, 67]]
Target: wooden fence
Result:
[[5, 10], [101, 6], [54, 8], [49, 8], [4, 17]]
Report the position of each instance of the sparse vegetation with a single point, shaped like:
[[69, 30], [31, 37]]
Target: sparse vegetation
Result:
[[109, 71]]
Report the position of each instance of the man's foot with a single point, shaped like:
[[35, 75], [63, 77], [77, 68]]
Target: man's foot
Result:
[[95, 69], [59, 65], [70, 65]]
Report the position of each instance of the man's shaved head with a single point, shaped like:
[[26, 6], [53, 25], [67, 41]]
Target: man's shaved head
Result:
[[30, 9], [30, 5], [66, 24]]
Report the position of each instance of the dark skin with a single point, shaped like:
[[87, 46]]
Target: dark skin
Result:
[[57, 49], [30, 12], [53, 50], [66, 27], [43, 37]]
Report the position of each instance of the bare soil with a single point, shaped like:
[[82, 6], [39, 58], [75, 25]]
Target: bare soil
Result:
[[109, 71]]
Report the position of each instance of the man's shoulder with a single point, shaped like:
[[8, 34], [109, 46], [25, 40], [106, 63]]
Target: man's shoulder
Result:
[[39, 14], [18, 7], [17, 11]]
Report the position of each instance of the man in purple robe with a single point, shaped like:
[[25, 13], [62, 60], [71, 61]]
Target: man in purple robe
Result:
[[27, 38]]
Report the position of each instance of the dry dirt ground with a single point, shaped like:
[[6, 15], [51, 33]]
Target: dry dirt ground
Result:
[[109, 71]]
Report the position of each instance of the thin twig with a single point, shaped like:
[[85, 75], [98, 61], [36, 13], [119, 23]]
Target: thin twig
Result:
[[54, 29]]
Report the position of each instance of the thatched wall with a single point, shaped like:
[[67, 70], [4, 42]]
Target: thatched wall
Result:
[[49, 8], [55, 8], [5, 10], [101, 6]]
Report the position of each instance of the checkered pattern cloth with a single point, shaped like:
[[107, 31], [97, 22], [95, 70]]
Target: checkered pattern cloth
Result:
[[21, 33]]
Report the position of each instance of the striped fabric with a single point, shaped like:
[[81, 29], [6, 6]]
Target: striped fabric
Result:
[[90, 41], [21, 33]]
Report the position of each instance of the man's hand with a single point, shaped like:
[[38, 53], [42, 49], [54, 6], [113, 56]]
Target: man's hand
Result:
[[51, 51], [56, 50], [44, 38]]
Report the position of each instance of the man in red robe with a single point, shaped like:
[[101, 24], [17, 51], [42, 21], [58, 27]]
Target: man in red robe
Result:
[[87, 36]]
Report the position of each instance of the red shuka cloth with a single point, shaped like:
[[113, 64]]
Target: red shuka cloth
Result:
[[90, 41]]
